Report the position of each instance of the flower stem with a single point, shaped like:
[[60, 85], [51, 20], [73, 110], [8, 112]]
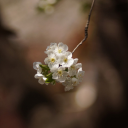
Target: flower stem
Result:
[[86, 28]]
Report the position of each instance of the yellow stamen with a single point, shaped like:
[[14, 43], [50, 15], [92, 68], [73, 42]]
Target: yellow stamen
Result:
[[60, 72], [52, 60], [65, 60], [59, 50]]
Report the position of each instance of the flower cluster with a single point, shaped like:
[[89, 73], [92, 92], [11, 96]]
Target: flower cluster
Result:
[[60, 67]]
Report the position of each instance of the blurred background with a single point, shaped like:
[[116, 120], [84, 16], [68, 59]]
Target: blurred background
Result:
[[27, 27]]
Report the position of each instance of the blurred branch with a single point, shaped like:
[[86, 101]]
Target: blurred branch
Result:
[[86, 28]]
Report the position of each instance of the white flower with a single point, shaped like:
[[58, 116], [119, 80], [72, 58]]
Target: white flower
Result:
[[80, 75], [68, 87], [60, 49], [72, 70], [66, 59], [68, 81], [68, 84], [59, 74], [36, 66], [50, 48], [51, 60], [75, 81], [41, 78]]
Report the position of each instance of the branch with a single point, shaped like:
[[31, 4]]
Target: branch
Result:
[[86, 28]]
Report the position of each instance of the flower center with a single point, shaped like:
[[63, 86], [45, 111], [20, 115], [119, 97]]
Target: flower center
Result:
[[59, 50], [65, 60], [52, 60], [60, 72]]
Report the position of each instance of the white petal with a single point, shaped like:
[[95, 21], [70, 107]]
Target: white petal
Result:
[[61, 68], [63, 46], [75, 81], [79, 65], [67, 88], [69, 54], [54, 67], [48, 52], [80, 75], [41, 81], [61, 59], [39, 70], [72, 72], [46, 60], [37, 76], [75, 61], [54, 76], [53, 44], [61, 79], [70, 62], [44, 78], [80, 69], [48, 47], [36, 65], [60, 44], [65, 73]]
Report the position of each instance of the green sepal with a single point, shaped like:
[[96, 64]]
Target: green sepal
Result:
[[45, 67], [48, 80]]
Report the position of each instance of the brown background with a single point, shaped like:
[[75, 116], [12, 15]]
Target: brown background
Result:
[[100, 101]]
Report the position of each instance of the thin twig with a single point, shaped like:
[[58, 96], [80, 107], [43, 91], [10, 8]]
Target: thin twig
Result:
[[86, 28]]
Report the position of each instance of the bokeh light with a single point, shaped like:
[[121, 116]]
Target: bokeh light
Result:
[[85, 96]]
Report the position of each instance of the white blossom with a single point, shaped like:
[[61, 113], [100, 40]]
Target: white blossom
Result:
[[50, 48], [36, 66], [59, 74], [74, 67], [68, 84], [75, 81], [51, 60], [41, 78], [60, 49], [68, 87], [66, 59], [80, 75]]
